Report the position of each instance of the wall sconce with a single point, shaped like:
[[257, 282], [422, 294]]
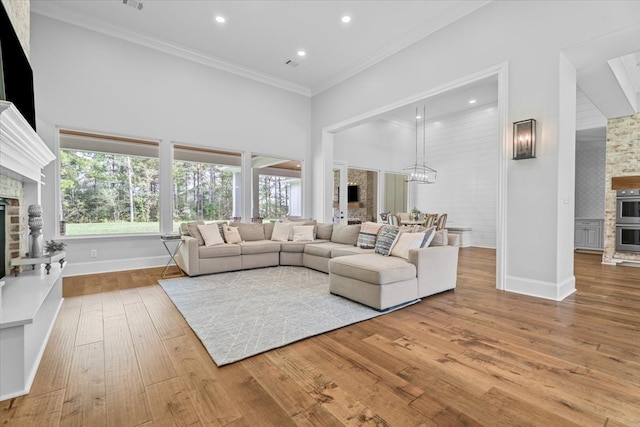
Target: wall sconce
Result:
[[524, 139]]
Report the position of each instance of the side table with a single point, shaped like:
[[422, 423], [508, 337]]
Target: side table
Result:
[[166, 239]]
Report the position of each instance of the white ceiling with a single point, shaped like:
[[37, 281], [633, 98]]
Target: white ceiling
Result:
[[260, 36]]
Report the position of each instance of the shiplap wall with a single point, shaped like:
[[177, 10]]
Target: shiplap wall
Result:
[[463, 148], [587, 115]]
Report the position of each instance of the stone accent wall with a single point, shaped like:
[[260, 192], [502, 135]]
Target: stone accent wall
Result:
[[19, 12], [623, 159], [364, 209]]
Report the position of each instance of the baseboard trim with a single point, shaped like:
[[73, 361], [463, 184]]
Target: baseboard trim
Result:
[[540, 289], [95, 267]]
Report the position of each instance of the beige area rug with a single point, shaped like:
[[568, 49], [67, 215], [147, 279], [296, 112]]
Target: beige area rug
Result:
[[240, 314]]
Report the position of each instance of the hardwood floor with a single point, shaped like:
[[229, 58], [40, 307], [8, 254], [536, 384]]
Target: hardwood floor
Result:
[[121, 355]]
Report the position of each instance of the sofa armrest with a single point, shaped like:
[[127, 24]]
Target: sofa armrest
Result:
[[437, 268], [188, 257]]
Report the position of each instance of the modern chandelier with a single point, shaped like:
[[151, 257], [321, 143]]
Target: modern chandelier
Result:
[[420, 173]]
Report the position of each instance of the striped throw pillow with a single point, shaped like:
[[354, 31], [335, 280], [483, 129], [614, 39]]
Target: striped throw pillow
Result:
[[387, 237], [368, 235]]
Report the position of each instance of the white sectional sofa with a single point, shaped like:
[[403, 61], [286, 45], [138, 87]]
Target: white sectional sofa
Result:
[[359, 274]]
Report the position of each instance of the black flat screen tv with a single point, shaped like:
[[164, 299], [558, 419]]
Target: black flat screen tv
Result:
[[16, 77], [352, 194]]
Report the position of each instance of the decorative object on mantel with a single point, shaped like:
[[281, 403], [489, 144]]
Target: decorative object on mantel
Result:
[[420, 173], [52, 247], [524, 139], [35, 225]]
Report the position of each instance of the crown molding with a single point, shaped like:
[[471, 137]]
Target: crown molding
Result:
[[50, 11], [459, 10]]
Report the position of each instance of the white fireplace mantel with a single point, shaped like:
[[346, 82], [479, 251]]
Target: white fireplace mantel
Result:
[[23, 154]]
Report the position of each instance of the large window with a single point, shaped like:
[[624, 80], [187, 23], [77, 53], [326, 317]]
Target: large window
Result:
[[108, 184], [206, 184], [277, 188]]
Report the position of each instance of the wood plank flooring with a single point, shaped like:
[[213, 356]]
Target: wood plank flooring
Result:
[[121, 355]]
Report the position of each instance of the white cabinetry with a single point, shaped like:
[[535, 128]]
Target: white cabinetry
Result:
[[588, 233], [30, 304]]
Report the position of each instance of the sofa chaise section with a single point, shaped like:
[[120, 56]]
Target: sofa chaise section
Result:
[[383, 282]]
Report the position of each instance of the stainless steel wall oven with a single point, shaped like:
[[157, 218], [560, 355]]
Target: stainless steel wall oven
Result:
[[628, 220]]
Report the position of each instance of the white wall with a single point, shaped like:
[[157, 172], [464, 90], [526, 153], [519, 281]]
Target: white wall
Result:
[[530, 37], [89, 81], [463, 148], [378, 145]]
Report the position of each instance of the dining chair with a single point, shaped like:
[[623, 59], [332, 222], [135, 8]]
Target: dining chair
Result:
[[429, 220], [394, 219], [441, 221], [384, 217]]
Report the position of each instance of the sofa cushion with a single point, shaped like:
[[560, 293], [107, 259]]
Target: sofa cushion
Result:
[[192, 227], [346, 234], [268, 229], [217, 251], [281, 231], [211, 234], [386, 239], [368, 235], [405, 242], [231, 234], [258, 247], [303, 233], [440, 238], [373, 268], [350, 250], [250, 232], [297, 247], [322, 249], [324, 231]]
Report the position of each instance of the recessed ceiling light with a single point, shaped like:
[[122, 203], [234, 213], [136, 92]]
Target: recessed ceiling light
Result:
[[418, 117], [302, 53], [221, 19], [472, 101], [346, 19]]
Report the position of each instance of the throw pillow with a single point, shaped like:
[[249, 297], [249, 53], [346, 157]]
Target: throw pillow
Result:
[[303, 233], [386, 239], [429, 234], [315, 226], [231, 234], [440, 238], [221, 229], [405, 242], [324, 231], [210, 234], [281, 231], [368, 235]]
